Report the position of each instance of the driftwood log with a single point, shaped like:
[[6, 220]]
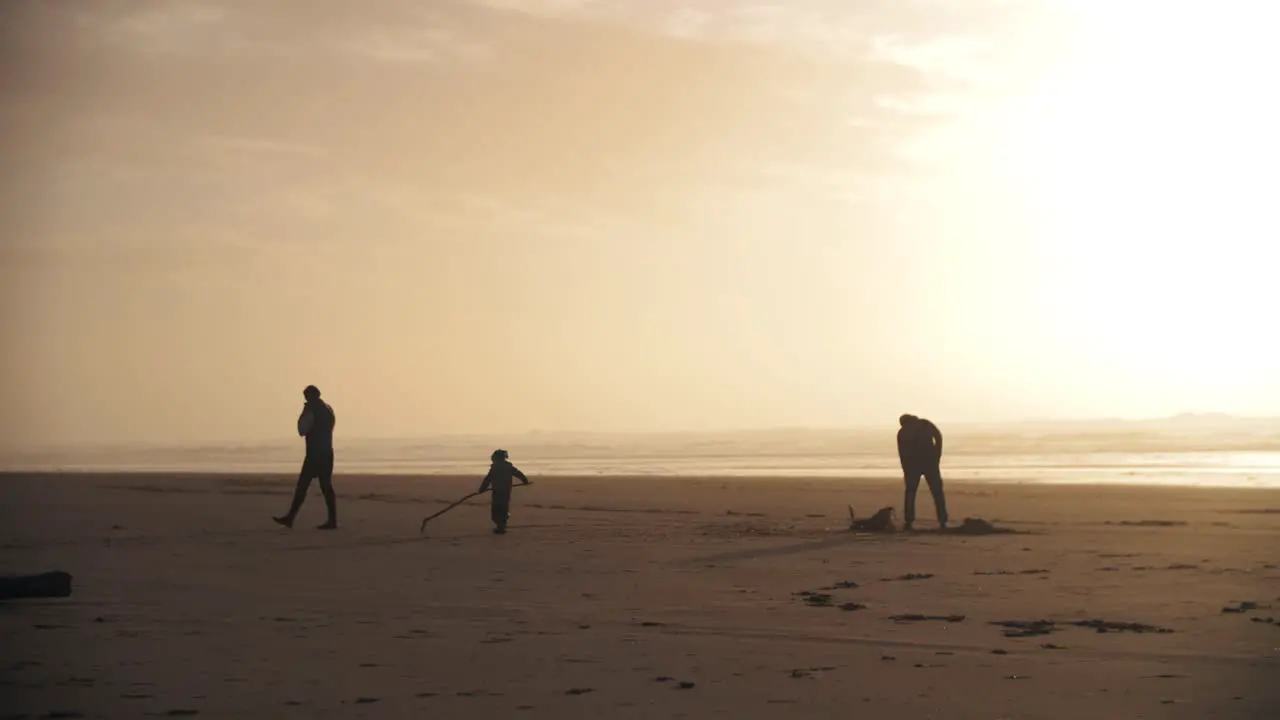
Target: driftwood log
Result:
[[56, 584]]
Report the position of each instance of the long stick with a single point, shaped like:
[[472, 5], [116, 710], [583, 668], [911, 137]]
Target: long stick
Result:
[[430, 517], [456, 504]]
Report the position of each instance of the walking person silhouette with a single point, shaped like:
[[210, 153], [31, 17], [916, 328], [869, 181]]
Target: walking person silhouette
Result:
[[316, 424]]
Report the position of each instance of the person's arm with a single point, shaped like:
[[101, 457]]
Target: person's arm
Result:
[[484, 484], [516, 471], [937, 440], [305, 421], [902, 446]]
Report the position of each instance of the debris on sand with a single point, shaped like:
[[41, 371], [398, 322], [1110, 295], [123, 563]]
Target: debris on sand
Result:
[[1105, 626], [1029, 628], [907, 577], [842, 585], [1242, 607], [1011, 572], [916, 617], [54, 584], [1026, 628], [978, 526], [816, 599], [1267, 621], [810, 672], [881, 522], [826, 600], [1149, 523]]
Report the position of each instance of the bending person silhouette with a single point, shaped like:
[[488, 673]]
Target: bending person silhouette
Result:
[[920, 452], [499, 479], [315, 424]]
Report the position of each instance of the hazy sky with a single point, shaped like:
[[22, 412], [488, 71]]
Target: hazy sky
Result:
[[498, 216]]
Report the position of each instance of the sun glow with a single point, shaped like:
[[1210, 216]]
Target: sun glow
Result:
[[1150, 164]]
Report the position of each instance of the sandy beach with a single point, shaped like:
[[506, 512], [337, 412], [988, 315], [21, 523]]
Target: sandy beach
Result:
[[640, 597]]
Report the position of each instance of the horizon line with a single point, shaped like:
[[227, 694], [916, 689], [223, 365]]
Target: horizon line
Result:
[[509, 435]]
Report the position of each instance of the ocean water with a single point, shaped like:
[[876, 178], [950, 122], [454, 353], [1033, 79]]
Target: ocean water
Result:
[[738, 458]]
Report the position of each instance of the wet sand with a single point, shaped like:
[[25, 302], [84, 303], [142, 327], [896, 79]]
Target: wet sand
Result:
[[637, 598]]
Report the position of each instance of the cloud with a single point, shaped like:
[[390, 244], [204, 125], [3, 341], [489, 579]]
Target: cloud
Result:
[[548, 8], [162, 27], [573, 119], [417, 45]]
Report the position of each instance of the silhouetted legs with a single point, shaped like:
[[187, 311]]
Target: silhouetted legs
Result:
[[933, 476], [500, 511], [314, 468]]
